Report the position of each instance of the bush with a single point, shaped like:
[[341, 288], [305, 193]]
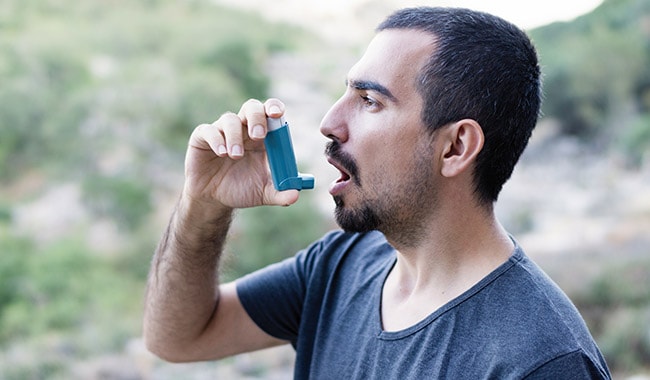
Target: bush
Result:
[[635, 141], [269, 234], [65, 289], [595, 67], [81, 81], [106, 94], [13, 265], [127, 201], [616, 306], [625, 341]]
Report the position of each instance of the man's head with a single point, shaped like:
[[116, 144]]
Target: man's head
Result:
[[379, 142], [483, 68], [421, 104]]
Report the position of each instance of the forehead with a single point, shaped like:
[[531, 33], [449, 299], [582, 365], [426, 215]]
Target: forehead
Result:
[[394, 57]]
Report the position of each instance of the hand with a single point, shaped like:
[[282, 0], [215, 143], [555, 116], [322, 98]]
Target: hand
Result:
[[226, 161]]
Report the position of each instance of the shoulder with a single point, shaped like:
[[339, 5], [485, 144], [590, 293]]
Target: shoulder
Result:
[[537, 323], [573, 365]]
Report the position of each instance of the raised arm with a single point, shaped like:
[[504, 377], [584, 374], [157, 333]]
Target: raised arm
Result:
[[188, 315]]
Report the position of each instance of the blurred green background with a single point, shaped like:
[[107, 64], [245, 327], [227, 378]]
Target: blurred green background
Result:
[[98, 98]]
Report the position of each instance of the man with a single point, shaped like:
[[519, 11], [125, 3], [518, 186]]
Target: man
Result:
[[424, 282]]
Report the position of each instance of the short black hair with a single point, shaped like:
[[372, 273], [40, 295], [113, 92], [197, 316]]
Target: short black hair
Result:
[[483, 68]]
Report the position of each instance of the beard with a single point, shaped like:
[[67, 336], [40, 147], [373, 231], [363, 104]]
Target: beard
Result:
[[365, 218], [362, 219], [399, 209]]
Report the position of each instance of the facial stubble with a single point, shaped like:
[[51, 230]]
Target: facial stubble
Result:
[[399, 210]]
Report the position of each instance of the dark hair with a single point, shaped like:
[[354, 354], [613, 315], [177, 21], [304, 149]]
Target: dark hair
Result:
[[482, 68]]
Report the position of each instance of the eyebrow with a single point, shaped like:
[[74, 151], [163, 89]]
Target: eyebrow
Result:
[[373, 86]]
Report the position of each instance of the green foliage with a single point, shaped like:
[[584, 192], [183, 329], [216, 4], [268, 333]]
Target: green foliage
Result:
[[236, 58], [625, 340], [51, 284], [106, 94], [616, 305], [126, 201], [79, 80], [12, 266], [596, 67], [618, 286], [43, 369], [270, 234], [635, 141], [66, 289]]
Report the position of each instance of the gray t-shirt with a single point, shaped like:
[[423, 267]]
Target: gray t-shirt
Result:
[[515, 323]]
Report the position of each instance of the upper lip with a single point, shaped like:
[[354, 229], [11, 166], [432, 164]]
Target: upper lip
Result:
[[338, 166]]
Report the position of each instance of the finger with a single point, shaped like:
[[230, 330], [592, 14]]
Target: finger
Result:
[[252, 114], [274, 107], [217, 142], [208, 136], [232, 128]]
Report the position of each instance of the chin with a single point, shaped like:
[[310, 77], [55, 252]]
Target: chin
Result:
[[363, 219]]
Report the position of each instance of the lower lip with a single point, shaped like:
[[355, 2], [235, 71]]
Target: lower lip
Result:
[[337, 187]]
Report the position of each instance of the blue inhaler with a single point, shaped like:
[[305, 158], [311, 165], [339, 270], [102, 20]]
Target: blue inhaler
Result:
[[282, 160]]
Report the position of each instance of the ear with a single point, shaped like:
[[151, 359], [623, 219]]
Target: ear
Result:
[[463, 140]]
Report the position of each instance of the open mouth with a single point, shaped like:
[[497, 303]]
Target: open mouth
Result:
[[345, 164], [345, 176], [340, 183]]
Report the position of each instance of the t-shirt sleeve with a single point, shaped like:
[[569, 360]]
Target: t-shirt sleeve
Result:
[[273, 296], [574, 365]]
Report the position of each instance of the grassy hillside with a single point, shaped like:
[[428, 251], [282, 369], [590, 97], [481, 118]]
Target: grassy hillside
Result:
[[597, 76], [97, 100]]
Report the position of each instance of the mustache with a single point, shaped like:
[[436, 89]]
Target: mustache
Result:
[[333, 150]]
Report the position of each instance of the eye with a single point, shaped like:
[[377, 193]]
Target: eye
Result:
[[369, 102]]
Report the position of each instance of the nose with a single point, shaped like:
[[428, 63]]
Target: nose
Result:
[[334, 125]]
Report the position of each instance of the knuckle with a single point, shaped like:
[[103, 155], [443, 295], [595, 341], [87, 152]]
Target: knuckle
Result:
[[199, 129], [251, 106], [253, 101], [227, 117]]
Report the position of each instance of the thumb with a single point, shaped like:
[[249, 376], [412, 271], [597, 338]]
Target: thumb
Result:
[[281, 198]]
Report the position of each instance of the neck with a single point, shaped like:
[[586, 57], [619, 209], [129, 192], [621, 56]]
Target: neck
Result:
[[467, 241], [453, 256]]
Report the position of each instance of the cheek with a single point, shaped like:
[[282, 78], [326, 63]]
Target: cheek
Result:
[[375, 141], [385, 145], [384, 171]]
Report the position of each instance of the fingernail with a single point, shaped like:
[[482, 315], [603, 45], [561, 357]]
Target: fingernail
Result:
[[236, 150], [274, 109], [221, 150], [258, 131]]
